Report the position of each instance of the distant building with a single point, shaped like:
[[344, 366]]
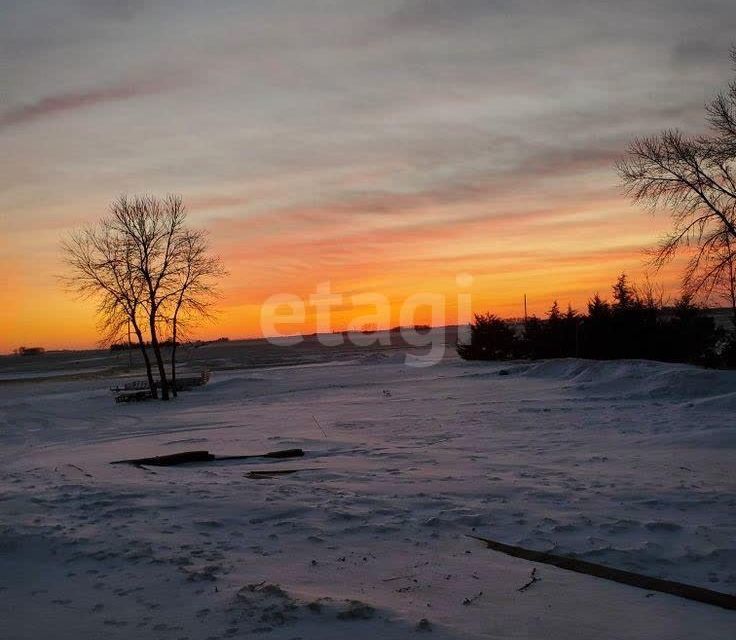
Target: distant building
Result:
[[30, 351]]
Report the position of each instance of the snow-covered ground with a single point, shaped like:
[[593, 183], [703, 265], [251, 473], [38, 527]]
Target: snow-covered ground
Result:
[[629, 464]]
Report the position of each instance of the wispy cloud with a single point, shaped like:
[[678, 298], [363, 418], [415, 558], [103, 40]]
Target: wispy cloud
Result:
[[76, 100]]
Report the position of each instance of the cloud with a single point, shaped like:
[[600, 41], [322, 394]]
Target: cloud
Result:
[[397, 207], [113, 9], [697, 52], [76, 100], [421, 13]]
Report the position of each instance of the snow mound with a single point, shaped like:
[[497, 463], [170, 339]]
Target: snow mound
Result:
[[642, 379], [382, 357]]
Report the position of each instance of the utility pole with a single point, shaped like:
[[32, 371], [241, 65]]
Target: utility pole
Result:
[[525, 313]]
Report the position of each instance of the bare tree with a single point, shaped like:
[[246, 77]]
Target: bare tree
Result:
[[152, 226], [101, 264], [144, 266], [694, 178], [192, 290], [715, 277], [728, 279]]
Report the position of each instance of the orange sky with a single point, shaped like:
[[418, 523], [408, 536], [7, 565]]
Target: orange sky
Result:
[[562, 250], [384, 147]]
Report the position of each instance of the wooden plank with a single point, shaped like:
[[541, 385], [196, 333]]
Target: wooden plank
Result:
[[690, 592]]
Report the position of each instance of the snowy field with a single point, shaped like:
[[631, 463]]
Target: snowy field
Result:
[[627, 464]]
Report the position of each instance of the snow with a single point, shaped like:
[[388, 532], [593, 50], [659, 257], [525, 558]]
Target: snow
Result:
[[39, 375], [628, 464]]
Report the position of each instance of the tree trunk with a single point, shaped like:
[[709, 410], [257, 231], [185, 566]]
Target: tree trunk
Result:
[[159, 358], [146, 360], [173, 359], [731, 280], [732, 285]]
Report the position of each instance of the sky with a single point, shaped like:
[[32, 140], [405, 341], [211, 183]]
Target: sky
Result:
[[382, 146]]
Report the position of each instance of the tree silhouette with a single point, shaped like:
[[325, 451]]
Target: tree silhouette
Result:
[[143, 266], [638, 324], [490, 339], [694, 178], [192, 291]]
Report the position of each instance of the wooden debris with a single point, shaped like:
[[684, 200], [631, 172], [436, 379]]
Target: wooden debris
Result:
[[187, 457], [690, 592], [74, 466], [133, 396], [267, 473], [283, 453], [407, 577], [532, 579], [472, 599]]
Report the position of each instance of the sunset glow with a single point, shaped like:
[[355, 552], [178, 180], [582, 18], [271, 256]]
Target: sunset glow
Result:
[[382, 147]]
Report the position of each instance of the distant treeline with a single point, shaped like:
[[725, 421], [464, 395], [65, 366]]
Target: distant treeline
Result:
[[634, 325], [124, 346], [370, 329]]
